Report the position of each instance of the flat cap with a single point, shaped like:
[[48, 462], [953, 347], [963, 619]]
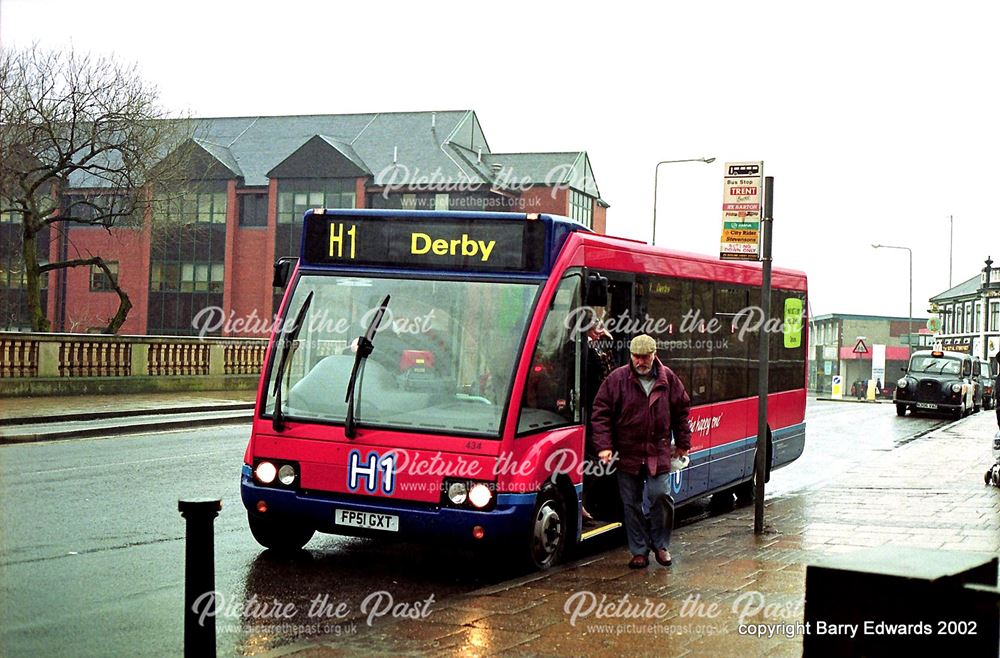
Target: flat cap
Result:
[[642, 344]]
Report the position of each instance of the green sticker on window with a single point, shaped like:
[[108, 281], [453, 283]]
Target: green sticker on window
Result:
[[793, 322]]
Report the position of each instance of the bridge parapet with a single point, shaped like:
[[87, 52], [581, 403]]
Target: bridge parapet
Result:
[[43, 363]]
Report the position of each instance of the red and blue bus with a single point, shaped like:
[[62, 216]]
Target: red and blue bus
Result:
[[424, 380]]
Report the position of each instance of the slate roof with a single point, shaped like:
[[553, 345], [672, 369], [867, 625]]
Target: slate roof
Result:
[[222, 154], [396, 148], [964, 289], [571, 168]]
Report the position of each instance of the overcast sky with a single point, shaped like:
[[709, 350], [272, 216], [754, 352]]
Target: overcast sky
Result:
[[877, 120]]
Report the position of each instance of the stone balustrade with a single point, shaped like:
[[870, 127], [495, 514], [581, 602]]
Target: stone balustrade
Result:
[[40, 363]]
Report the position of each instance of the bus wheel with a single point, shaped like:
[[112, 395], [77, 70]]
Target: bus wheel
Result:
[[281, 537], [548, 529], [900, 409]]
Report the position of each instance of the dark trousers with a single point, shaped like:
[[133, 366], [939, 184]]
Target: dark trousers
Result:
[[653, 532]]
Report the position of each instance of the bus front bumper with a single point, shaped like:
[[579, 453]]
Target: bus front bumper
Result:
[[510, 518]]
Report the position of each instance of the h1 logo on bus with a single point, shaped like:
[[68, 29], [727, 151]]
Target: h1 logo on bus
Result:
[[675, 481], [370, 471]]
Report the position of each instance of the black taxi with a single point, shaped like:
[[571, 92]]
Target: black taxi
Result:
[[937, 381]]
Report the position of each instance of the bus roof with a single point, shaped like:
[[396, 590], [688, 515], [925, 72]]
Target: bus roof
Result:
[[614, 253]]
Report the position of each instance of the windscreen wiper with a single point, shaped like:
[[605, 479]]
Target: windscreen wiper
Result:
[[365, 347], [290, 336]]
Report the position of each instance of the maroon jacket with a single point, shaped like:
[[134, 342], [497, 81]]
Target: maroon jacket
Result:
[[637, 426]]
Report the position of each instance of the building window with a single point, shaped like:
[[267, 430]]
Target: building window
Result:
[[959, 319], [968, 317], [99, 281], [253, 209], [193, 208], [295, 197], [13, 277], [978, 317], [581, 208], [98, 208], [994, 316]]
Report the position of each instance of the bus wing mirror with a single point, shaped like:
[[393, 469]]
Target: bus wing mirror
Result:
[[282, 270], [597, 290]]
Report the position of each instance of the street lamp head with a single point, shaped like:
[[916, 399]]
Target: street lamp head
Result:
[[708, 160], [876, 246]]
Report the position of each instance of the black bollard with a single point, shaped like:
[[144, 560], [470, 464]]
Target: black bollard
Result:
[[199, 576]]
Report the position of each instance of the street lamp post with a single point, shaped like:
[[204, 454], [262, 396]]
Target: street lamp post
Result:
[[984, 327], [909, 340], [951, 246], [656, 174]]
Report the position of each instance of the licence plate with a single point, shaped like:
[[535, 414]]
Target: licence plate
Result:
[[926, 405], [369, 520]]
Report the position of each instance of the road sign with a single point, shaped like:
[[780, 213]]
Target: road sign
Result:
[[837, 390], [933, 324], [742, 200], [861, 348]]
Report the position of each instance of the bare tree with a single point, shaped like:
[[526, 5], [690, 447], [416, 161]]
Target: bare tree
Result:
[[82, 141]]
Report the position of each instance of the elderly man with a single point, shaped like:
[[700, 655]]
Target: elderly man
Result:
[[636, 410]]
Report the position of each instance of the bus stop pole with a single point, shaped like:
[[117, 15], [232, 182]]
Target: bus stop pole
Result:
[[760, 461]]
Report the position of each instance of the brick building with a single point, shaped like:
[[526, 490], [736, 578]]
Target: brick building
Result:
[[255, 178], [833, 337]]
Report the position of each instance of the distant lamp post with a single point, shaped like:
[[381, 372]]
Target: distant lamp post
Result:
[[984, 292], [909, 339], [951, 246], [656, 180]]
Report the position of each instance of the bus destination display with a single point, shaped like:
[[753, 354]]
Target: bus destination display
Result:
[[483, 245]]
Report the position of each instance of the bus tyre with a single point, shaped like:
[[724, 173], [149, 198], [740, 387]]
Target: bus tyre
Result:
[[900, 409], [281, 537], [549, 527]]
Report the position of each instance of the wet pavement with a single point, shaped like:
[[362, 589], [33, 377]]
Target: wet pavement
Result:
[[927, 493], [12, 409]]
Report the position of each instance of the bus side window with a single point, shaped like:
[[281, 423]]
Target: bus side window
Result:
[[551, 390]]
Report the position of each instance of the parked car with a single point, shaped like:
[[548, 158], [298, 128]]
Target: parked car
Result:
[[937, 381], [983, 374]]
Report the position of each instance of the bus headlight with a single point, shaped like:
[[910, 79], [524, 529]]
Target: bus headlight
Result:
[[265, 472], [457, 493], [286, 474], [956, 388], [480, 495]]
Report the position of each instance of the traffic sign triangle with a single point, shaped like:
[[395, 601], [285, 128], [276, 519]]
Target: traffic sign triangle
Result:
[[861, 348]]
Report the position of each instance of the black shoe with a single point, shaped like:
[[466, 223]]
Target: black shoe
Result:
[[638, 562]]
